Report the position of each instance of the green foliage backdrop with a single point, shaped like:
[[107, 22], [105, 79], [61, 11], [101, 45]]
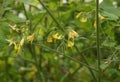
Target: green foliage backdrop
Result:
[[55, 41]]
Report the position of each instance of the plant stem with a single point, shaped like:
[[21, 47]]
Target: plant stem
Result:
[[34, 27], [27, 17], [52, 16], [30, 47], [85, 60], [69, 57], [25, 11], [98, 40]]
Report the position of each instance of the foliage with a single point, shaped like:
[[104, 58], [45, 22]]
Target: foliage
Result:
[[52, 41]]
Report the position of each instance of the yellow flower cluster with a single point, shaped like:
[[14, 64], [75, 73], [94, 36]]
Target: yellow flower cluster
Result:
[[84, 19], [55, 36], [17, 47], [71, 35]]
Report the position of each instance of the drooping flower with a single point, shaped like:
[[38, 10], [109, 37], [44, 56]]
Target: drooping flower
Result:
[[119, 67], [94, 24], [101, 17], [16, 48], [21, 42], [83, 20], [57, 36], [49, 39], [72, 34], [78, 15], [70, 44], [30, 38]]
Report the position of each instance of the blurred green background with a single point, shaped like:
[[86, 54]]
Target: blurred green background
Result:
[[55, 41]]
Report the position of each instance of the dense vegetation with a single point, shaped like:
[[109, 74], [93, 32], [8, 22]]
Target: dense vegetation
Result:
[[57, 41]]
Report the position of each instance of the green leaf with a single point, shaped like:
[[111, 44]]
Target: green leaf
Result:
[[109, 10], [108, 43], [109, 16], [104, 66], [118, 47], [14, 18], [29, 2]]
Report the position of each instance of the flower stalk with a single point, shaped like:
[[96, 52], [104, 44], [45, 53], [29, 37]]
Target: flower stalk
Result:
[[98, 39]]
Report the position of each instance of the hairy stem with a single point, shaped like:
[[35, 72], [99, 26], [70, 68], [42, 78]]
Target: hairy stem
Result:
[[98, 39]]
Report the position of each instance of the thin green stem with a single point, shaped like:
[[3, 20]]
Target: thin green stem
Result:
[[98, 39], [69, 57], [88, 66], [25, 11], [59, 14], [52, 16], [85, 60], [34, 27], [5, 58], [76, 70], [30, 47], [38, 65], [27, 17], [8, 51]]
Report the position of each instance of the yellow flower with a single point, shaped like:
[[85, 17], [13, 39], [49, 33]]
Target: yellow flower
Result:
[[101, 17], [106, 62], [57, 36], [11, 42], [119, 67], [17, 48], [83, 20], [70, 44], [72, 34], [22, 42], [78, 15], [49, 39], [14, 27], [95, 24], [30, 38]]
